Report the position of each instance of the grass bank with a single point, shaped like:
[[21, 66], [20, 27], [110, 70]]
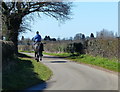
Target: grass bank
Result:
[[24, 72], [106, 63]]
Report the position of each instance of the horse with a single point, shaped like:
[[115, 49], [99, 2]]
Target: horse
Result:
[[38, 48]]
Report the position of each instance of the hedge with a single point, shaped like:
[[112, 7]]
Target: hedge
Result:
[[8, 49]]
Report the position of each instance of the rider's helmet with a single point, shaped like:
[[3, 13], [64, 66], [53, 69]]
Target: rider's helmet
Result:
[[37, 32]]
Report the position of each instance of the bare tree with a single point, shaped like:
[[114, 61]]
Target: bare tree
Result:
[[105, 34], [15, 12], [78, 36]]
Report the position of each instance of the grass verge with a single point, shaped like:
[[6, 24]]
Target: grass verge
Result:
[[24, 72], [106, 63], [26, 51]]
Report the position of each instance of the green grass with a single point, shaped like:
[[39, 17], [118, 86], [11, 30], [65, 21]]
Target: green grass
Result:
[[23, 73], [26, 51], [111, 64], [98, 61]]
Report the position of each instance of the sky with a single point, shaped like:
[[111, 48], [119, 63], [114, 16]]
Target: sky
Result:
[[87, 18]]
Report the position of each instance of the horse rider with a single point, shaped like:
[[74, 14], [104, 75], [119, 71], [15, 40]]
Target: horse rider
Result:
[[37, 38], [38, 46]]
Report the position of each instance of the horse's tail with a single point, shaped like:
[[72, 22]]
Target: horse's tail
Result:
[[36, 47]]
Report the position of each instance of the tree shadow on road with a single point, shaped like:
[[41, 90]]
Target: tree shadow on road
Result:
[[58, 61]]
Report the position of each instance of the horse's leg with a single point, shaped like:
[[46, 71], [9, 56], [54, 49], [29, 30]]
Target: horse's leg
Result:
[[37, 56], [41, 55]]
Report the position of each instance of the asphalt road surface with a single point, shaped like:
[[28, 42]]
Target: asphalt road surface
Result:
[[69, 75]]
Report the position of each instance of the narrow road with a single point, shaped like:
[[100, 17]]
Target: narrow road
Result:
[[69, 75]]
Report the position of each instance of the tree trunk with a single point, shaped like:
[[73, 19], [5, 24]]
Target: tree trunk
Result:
[[14, 38], [13, 26]]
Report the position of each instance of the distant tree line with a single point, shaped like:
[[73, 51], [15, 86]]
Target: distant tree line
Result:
[[106, 34], [79, 36], [48, 38], [25, 41], [28, 41], [101, 34]]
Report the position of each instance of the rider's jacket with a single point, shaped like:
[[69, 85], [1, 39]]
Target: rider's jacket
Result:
[[37, 38]]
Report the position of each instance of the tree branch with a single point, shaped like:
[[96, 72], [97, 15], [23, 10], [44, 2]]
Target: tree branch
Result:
[[4, 6], [13, 4]]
